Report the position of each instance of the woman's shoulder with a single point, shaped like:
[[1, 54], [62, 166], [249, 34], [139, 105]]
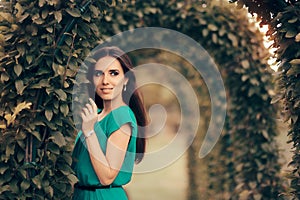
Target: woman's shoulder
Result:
[[123, 113], [120, 116]]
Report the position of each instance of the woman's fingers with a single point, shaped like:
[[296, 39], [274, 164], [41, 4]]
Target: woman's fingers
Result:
[[90, 108], [94, 106], [89, 115], [83, 115], [85, 111]]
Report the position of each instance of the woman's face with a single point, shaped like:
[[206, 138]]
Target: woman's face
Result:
[[109, 78]]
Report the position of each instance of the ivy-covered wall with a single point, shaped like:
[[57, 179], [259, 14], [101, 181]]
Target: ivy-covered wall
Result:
[[42, 45], [283, 20]]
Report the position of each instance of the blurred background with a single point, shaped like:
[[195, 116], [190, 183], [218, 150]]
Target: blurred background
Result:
[[172, 181]]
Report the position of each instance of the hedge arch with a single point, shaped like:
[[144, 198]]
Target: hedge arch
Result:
[[283, 23], [248, 173], [48, 40]]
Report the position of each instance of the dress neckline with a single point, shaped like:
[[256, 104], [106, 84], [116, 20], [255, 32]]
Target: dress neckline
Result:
[[100, 110]]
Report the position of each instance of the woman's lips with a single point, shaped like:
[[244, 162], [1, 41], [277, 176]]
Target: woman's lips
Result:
[[106, 90]]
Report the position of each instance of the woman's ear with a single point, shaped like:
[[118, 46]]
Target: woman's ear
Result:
[[125, 80]]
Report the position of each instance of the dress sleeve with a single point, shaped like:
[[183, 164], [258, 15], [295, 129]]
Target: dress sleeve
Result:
[[118, 118]]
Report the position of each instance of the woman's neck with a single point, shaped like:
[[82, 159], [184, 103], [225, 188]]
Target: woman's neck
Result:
[[112, 104]]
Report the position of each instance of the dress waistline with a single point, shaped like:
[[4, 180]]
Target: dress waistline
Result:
[[95, 187]]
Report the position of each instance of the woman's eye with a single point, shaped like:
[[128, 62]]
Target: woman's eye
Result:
[[98, 73], [114, 73]]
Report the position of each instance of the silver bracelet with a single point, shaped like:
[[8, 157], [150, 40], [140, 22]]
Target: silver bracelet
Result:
[[89, 134]]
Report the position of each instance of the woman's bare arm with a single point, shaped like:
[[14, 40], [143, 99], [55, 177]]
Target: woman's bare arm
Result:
[[106, 166]]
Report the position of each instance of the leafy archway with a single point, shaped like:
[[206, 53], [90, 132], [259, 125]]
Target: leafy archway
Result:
[[283, 23]]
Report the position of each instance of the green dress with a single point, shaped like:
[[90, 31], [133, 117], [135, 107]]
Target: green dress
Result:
[[82, 163]]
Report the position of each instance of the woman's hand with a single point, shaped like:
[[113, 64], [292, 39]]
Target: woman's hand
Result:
[[89, 116]]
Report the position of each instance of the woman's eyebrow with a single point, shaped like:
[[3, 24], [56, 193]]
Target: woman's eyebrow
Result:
[[114, 70]]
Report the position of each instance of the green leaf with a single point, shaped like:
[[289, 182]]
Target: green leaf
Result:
[[65, 169], [290, 34], [3, 169], [61, 187], [58, 139], [49, 190], [67, 158], [61, 94], [19, 86], [7, 16], [42, 3], [45, 13], [245, 77], [68, 41], [2, 42], [212, 27], [245, 64], [25, 185], [4, 188], [37, 180], [205, 32], [60, 70], [29, 58], [20, 155], [240, 5], [244, 194], [257, 196], [291, 21], [53, 148], [43, 83], [297, 38], [233, 39], [48, 114], [277, 98], [49, 29], [73, 12], [58, 16], [295, 62], [254, 81], [94, 10], [21, 49], [293, 71], [215, 38], [10, 150], [14, 186], [265, 134], [36, 134], [18, 69], [22, 106], [72, 178], [64, 108], [4, 77], [23, 172]]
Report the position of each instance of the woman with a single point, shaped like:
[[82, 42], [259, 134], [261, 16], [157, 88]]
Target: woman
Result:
[[112, 136]]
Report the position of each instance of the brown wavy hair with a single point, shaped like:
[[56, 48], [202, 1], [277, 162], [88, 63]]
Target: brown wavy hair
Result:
[[132, 97]]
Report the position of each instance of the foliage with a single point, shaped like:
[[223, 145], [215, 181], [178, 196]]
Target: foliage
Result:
[[42, 45], [284, 29], [250, 156]]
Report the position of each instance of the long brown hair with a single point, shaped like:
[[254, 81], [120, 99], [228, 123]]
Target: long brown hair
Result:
[[132, 97]]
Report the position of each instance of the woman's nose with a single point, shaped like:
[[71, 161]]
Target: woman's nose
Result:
[[104, 79]]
